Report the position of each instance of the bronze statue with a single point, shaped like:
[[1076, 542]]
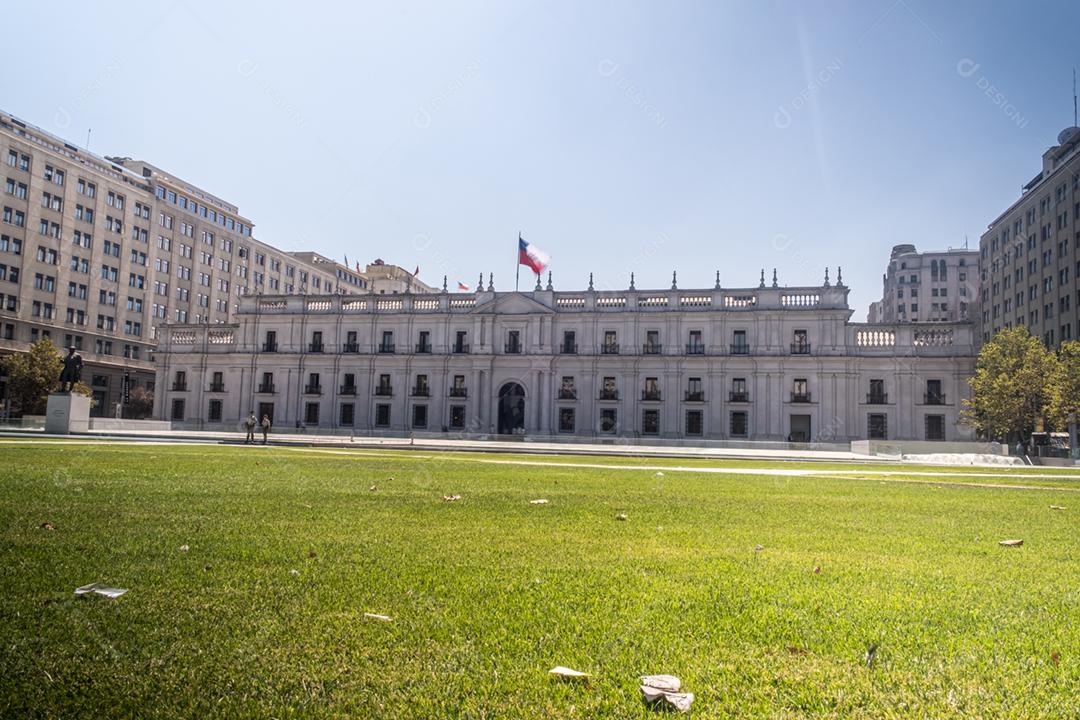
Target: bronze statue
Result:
[[72, 371]]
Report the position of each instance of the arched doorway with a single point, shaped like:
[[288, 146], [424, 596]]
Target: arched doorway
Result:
[[511, 409]]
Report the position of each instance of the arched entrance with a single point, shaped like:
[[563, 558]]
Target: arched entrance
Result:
[[511, 409]]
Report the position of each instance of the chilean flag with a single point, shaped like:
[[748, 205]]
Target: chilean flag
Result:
[[532, 256], [462, 286]]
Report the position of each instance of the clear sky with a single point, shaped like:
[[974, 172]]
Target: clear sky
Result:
[[618, 137]]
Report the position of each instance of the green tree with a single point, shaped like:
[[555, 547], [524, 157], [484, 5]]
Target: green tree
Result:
[[1011, 385], [33, 375], [1064, 395], [141, 403]]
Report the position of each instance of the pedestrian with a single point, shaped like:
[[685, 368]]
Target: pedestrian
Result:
[[265, 427], [249, 425]]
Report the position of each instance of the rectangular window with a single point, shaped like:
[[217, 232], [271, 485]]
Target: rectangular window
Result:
[[877, 426], [311, 413], [382, 415], [739, 424], [213, 412], [693, 423], [457, 416], [566, 420], [177, 409], [935, 427], [609, 420], [419, 416], [347, 414]]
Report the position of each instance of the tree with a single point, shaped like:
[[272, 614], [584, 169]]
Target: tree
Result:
[[33, 375], [140, 403], [1064, 395], [1011, 385]]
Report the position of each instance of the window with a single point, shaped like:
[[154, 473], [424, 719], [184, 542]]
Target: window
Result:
[[178, 409], [566, 420], [738, 343], [934, 394], [935, 427], [213, 412], [694, 391], [738, 390], [652, 389], [652, 342], [608, 389], [419, 416], [457, 416], [611, 343], [693, 423], [609, 420], [650, 422], [569, 343], [347, 415], [387, 345], [738, 426], [457, 389], [877, 426], [799, 390], [695, 346], [311, 413], [800, 344], [421, 388], [877, 396], [513, 342], [460, 344]]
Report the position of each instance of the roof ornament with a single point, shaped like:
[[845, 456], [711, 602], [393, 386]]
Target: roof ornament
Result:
[[826, 277], [674, 284], [762, 278], [549, 286], [717, 279], [774, 283], [839, 276], [444, 283], [538, 287], [491, 282], [480, 285], [632, 281], [590, 281]]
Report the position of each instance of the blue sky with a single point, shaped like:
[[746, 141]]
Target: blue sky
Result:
[[618, 136]]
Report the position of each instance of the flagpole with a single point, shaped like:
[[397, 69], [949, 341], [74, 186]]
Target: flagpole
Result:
[[517, 261]]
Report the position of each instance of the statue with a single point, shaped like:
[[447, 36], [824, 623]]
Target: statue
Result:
[[72, 371]]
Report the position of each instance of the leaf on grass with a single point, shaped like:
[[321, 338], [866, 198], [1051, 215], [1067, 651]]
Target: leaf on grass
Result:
[[565, 673], [1055, 657], [312, 553], [817, 569], [759, 548], [99, 589], [184, 548], [451, 498], [1011, 543], [47, 526], [294, 572], [621, 516], [539, 501], [372, 488], [1056, 507], [792, 650], [667, 683], [383, 618]]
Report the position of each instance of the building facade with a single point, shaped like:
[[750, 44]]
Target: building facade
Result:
[[763, 363], [97, 253], [928, 287], [1030, 254]]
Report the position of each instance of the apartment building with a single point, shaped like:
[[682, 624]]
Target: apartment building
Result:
[[934, 287], [100, 252], [1030, 254], [759, 363]]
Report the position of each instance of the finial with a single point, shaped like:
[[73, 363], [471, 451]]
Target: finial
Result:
[[491, 282], [444, 283], [762, 278], [826, 277], [538, 288], [774, 283], [549, 285], [590, 281], [839, 276], [480, 285], [674, 284], [717, 279], [631, 281]]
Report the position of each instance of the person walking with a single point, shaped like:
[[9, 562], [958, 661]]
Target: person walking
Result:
[[249, 425], [265, 427]]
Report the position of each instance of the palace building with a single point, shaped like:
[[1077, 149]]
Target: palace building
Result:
[[758, 363]]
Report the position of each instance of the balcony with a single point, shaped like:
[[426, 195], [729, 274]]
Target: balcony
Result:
[[179, 386], [738, 396], [568, 349], [609, 394], [461, 349], [650, 395], [347, 390], [421, 391], [800, 348], [217, 387], [695, 349], [739, 349], [800, 397], [350, 348], [934, 399], [877, 399], [512, 348], [386, 349], [423, 348], [609, 349], [567, 394], [694, 396], [652, 349], [313, 389], [459, 392], [315, 347], [384, 391], [269, 347], [266, 388]]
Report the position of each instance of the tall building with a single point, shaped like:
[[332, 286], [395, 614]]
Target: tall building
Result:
[[1031, 252], [928, 287], [99, 252], [387, 279], [764, 363]]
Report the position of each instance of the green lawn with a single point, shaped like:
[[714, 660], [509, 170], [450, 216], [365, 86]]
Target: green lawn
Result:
[[263, 615]]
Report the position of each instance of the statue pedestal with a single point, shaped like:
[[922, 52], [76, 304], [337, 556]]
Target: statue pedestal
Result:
[[67, 413]]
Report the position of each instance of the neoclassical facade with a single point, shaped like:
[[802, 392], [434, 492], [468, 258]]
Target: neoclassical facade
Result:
[[760, 363]]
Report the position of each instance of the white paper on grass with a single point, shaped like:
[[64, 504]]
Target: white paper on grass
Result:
[[667, 683], [565, 672], [679, 701], [540, 501], [100, 589], [1011, 543], [373, 616]]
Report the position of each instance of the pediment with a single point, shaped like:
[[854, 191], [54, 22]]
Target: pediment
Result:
[[514, 303]]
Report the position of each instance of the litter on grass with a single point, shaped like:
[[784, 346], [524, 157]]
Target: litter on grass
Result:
[[659, 474], [565, 673], [817, 569], [1011, 543], [539, 501], [372, 488], [383, 618], [667, 683], [184, 548], [871, 653], [294, 572], [621, 516], [662, 691], [759, 548], [47, 526], [99, 589], [1052, 507], [451, 498]]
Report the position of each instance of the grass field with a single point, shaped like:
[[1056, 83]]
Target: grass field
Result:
[[264, 614]]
